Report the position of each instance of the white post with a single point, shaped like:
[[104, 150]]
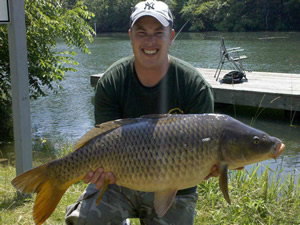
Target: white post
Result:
[[20, 86]]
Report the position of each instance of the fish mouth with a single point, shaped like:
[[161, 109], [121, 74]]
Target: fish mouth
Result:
[[279, 149]]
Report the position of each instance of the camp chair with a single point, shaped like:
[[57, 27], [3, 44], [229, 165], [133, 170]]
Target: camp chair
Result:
[[230, 55]]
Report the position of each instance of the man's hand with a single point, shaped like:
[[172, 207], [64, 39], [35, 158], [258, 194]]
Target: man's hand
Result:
[[98, 177], [214, 172]]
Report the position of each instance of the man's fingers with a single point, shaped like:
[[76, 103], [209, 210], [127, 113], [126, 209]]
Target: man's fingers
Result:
[[88, 177], [99, 183], [214, 172], [111, 177], [97, 175]]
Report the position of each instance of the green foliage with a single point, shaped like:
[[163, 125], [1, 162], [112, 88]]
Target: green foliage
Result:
[[5, 109], [112, 15], [4, 66], [267, 198], [176, 6], [246, 15], [46, 21], [6, 128], [201, 13], [204, 15]]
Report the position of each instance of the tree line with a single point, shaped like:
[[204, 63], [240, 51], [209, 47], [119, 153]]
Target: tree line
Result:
[[204, 15]]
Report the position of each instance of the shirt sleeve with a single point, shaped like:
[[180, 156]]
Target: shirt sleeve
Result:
[[107, 103], [200, 96]]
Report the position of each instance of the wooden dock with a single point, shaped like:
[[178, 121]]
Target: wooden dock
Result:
[[263, 89]]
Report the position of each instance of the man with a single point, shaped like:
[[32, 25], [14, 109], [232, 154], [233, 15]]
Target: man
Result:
[[149, 82]]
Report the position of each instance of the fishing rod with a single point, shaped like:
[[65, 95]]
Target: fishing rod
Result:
[[180, 30]]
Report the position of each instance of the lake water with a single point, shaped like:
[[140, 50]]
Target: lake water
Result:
[[64, 117]]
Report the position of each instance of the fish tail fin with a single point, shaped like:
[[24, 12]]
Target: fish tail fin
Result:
[[46, 201], [31, 180], [49, 191]]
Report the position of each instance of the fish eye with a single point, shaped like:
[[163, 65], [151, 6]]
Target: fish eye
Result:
[[256, 140]]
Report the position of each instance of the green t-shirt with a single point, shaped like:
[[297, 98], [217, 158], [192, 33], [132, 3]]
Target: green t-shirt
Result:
[[119, 93]]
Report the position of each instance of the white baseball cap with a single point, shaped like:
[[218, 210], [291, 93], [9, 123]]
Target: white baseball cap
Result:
[[157, 9]]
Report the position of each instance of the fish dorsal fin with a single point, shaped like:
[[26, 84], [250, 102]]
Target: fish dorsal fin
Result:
[[163, 201], [223, 182], [155, 116], [102, 129]]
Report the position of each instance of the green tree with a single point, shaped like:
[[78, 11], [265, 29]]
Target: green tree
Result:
[[46, 22], [201, 13], [242, 15], [292, 14], [111, 15], [176, 7]]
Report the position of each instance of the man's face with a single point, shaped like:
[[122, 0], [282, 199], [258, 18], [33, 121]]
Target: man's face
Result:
[[150, 41]]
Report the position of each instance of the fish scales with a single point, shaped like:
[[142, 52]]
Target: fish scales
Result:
[[144, 154], [156, 153], [168, 148]]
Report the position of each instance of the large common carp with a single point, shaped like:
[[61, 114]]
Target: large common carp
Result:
[[156, 153]]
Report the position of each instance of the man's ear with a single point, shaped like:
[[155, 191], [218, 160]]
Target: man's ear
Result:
[[129, 33], [172, 35]]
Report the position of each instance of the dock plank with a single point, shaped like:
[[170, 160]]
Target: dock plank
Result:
[[263, 89]]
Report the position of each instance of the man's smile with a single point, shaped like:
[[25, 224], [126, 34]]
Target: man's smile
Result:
[[150, 52]]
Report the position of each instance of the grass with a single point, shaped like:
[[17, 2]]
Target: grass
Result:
[[16, 209], [267, 198], [256, 199]]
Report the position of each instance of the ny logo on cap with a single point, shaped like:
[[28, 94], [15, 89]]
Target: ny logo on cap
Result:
[[149, 5]]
